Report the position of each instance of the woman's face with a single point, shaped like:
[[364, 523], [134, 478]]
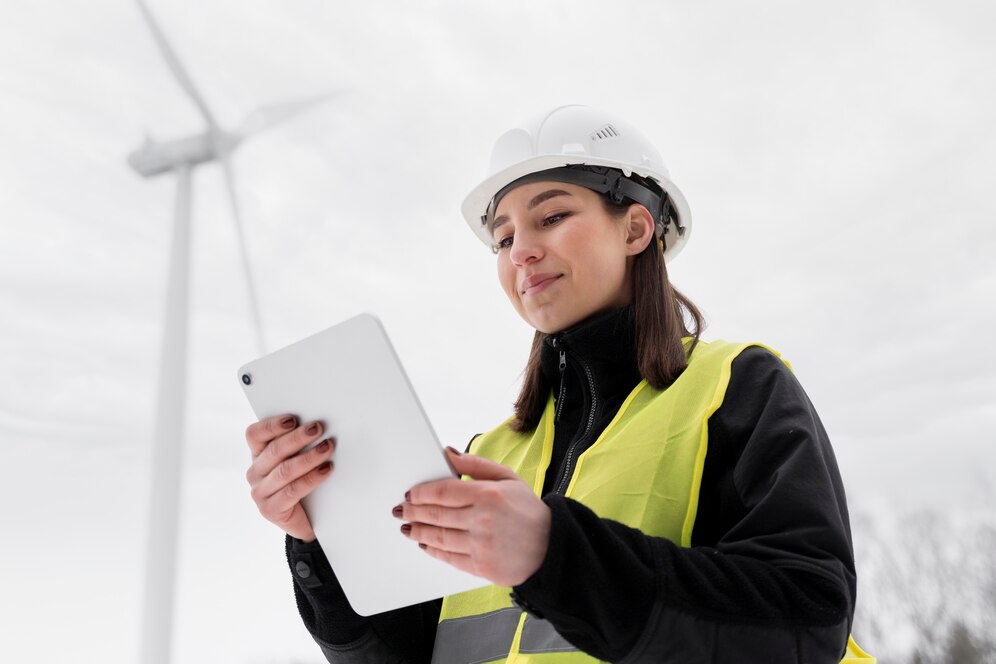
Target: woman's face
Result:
[[561, 256]]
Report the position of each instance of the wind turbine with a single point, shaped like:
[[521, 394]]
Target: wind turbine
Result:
[[181, 156]]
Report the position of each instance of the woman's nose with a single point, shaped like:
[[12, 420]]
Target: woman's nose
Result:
[[526, 248]]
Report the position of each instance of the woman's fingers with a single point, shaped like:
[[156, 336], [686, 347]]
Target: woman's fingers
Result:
[[277, 450], [478, 467], [493, 526], [449, 493], [433, 515], [455, 492], [280, 475], [292, 469], [445, 539], [259, 434], [284, 507]]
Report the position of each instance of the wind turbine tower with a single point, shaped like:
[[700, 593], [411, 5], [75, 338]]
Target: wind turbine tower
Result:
[[180, 157]]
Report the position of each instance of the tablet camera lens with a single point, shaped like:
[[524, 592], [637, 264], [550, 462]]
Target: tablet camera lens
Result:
[[247, 379]]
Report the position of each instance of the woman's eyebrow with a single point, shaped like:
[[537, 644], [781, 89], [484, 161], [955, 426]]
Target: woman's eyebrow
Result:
[[546, 195], [536, 200]]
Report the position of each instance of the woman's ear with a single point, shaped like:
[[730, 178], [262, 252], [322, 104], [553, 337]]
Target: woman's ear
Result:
[[639, 229]]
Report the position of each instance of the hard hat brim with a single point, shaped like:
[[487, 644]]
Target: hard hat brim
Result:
[[475, 205]]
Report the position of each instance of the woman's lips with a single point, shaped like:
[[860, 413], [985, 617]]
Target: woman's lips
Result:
[[538, 282]]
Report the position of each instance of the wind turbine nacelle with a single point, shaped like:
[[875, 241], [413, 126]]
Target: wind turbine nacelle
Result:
[[154, 157]]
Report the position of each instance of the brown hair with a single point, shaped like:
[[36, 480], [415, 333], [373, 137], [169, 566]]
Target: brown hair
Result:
[[659, 311]]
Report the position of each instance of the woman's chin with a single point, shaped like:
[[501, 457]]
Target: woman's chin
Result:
[[549, 323]]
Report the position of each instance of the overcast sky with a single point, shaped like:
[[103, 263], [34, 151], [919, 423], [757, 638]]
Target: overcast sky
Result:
[[838, 160]]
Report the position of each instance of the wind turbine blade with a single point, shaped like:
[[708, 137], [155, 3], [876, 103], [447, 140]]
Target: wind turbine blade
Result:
[[226, 165], [265, 117], [175, 65]]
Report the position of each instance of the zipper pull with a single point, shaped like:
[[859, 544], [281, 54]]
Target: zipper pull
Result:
[[563, 362]]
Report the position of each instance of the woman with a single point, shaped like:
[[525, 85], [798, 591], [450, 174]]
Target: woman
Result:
[[654, 498]]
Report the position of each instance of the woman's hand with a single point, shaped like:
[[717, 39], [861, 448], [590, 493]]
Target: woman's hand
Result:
[[280, 477], [494, 526]]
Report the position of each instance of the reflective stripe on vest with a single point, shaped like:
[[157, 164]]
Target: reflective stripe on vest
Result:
[[644, 470], [486, 638]]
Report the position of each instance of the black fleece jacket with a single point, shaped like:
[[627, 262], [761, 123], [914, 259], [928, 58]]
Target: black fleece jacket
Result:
[[770, 573]]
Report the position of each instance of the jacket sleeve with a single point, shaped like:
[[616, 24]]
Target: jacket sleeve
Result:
[[402, 636], [770, 574]]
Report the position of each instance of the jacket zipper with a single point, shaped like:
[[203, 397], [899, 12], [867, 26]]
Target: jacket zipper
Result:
[[560, 392], [569, 460]]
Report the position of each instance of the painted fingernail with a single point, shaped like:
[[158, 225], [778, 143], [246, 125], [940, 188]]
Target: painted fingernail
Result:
[[408, 496], [288, 422], [325, 468], [454, 450], [422, 546], [398, 511], [312, 429], [324, 446], [406, 530]]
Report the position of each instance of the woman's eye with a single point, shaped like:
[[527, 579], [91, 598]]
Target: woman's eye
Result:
[[553, 218], [504, 243]]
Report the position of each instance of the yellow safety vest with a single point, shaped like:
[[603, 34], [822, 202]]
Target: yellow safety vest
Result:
[[655, 434]]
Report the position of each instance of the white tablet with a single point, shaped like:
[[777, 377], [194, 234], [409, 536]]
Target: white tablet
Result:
[[349, 378]]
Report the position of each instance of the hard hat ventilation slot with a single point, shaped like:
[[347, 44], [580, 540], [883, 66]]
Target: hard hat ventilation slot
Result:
[[608, 131]]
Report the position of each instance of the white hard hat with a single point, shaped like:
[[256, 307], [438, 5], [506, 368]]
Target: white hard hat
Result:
[[581, 145]]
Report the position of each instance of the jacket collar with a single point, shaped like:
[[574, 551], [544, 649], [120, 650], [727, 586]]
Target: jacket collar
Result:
[[606, 344]]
